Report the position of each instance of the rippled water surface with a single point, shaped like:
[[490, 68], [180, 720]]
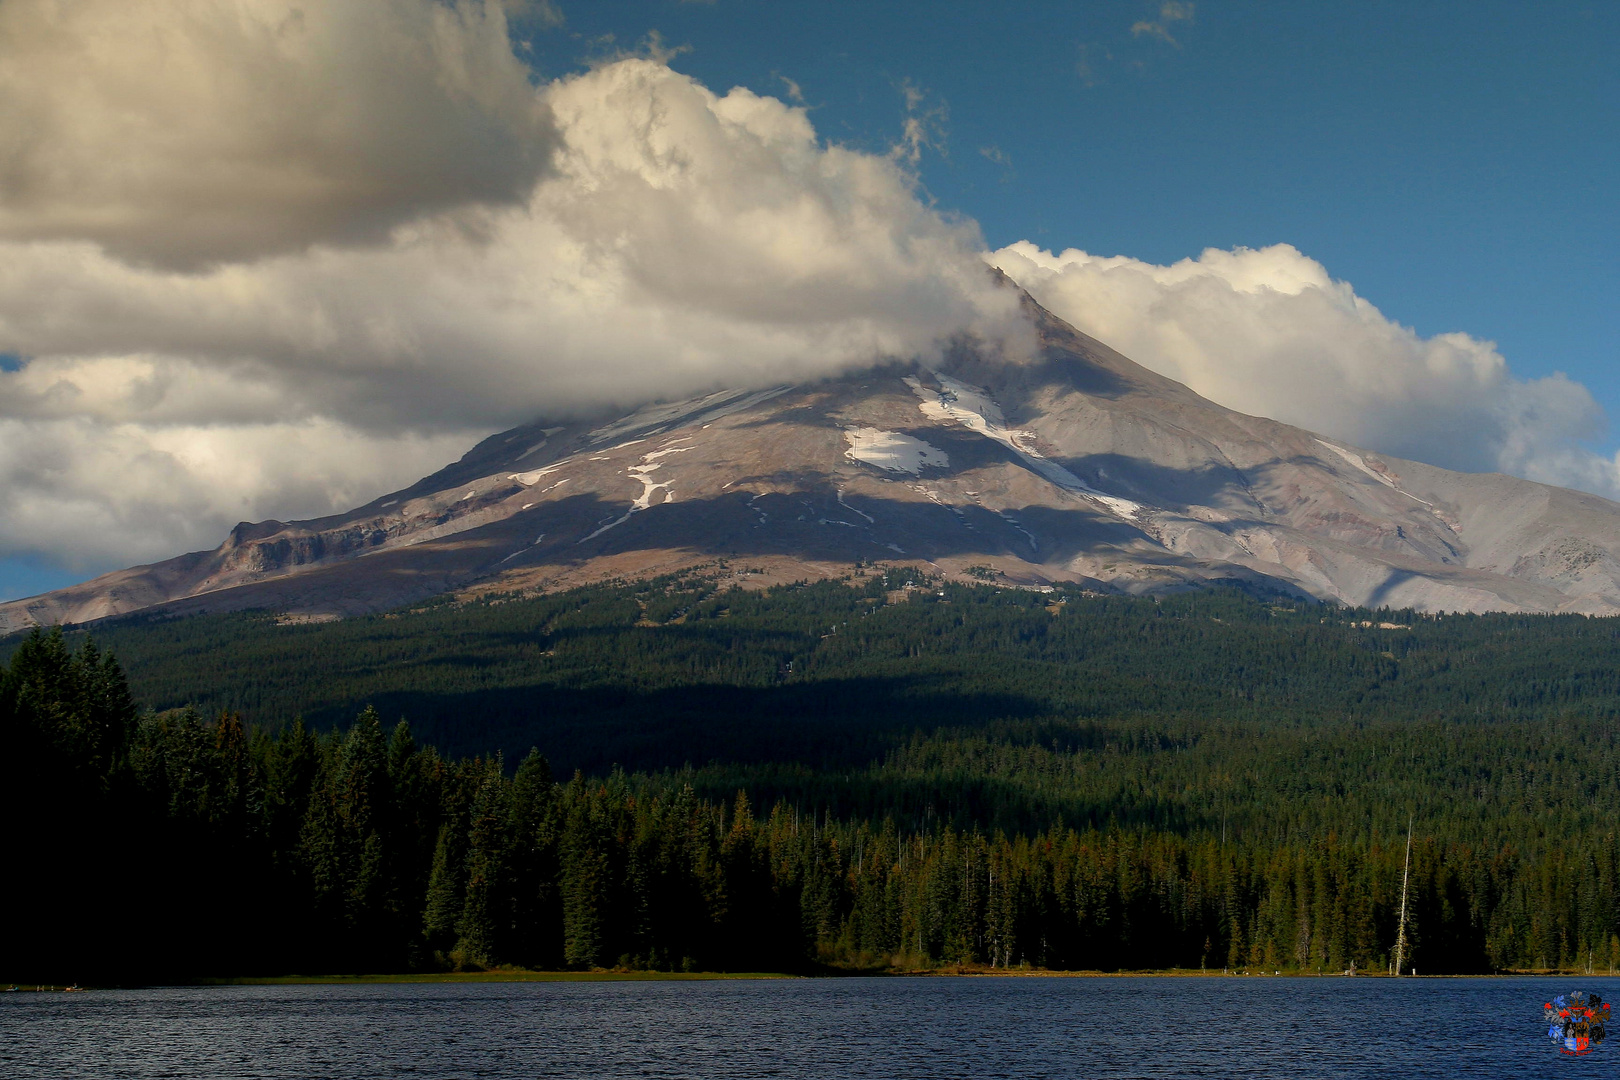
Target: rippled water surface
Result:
[[931, 1027]]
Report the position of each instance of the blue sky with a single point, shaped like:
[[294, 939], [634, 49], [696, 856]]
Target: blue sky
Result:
[[1454, 162], [23, 576], [1458, 163]]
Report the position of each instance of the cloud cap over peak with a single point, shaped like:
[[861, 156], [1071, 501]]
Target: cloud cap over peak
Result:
[[679, 240]]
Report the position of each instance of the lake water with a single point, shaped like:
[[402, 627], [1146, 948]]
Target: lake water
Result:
[[893, 1027]]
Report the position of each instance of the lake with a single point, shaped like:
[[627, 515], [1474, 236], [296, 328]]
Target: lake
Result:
[[882, 1027]]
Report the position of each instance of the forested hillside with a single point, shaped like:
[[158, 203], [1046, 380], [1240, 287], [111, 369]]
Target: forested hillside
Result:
[[672, 671], [975, 706], [932, 774]]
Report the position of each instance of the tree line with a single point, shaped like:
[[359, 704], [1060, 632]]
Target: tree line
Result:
[[651, 675], [163, 845]]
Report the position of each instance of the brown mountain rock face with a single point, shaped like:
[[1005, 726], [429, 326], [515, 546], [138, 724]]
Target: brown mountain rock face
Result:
[[1074, 464]]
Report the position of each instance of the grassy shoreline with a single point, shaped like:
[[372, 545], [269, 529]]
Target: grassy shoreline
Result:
[[519, 975], [498, 976], [940, 972]]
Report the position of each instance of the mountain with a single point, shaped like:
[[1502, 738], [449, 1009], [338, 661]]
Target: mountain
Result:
[[1070, 464]]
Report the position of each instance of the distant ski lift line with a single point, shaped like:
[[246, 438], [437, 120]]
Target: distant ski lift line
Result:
[[683, 413]]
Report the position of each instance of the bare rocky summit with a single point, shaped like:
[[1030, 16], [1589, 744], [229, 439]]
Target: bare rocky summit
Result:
[[1074, 465]]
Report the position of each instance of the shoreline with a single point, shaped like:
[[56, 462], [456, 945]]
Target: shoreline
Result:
[[498, 976], [505, 976]]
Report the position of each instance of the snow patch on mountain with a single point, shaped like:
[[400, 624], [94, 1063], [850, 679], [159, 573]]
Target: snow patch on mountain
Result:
[[892, 451], [1360, 463], [642, 472], [529, 479], [974, 409]]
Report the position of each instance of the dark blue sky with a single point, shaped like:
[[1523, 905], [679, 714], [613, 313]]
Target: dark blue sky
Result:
[[1456, 162]]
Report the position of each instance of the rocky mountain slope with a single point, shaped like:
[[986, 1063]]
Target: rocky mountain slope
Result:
[[1073, 465]]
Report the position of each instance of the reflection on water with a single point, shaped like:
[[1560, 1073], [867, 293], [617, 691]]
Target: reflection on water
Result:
[[928, 1027]]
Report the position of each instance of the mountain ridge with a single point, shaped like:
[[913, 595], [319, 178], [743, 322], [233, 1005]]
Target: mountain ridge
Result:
[[1071, 463]]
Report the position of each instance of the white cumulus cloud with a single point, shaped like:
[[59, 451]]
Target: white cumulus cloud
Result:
[[87, 494], [173, 382], [182, 132], [1270, 333]]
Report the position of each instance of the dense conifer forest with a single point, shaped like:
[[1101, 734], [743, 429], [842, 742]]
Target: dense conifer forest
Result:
[[844, 776]]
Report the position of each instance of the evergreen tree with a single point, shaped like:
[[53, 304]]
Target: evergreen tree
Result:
[[585, 879], [358, 851], [486, 924], [535, 834], [446, 891]]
